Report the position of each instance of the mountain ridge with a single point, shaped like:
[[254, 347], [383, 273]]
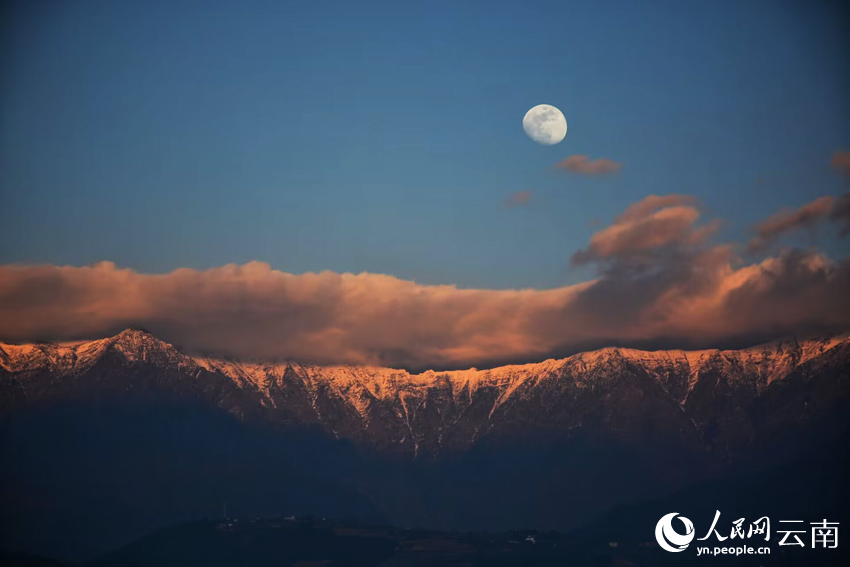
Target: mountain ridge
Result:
[[136, 343], [673, 392], [549, 444]]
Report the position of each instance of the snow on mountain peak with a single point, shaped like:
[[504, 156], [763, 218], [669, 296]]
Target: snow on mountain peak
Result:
[[770, 362], [430, 410]]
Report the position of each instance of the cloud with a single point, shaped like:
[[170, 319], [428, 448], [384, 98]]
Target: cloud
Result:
[[648, 225], [586, 166], [841, 161], [519, 198], [809, 217], [682, 294], [841, 214], [256, 312]]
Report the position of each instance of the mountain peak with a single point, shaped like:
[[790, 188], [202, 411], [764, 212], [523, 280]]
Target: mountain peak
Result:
[[136, 343], [137, 333]]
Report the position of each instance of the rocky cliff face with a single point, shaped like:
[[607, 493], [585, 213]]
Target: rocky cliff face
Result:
[[707, 400]]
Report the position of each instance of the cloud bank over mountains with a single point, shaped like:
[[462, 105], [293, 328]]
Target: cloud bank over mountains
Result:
[[661, 282]]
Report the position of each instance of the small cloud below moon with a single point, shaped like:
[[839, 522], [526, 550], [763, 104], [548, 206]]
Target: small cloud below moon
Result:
[[518, 199], [841, 161], [583, 165]]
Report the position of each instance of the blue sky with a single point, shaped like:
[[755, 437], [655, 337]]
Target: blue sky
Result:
[[386, 136]]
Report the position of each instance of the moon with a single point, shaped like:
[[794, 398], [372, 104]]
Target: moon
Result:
[[545, 124]]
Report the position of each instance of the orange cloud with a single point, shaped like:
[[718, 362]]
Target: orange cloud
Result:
[[841, 161], [652, 223], [809, 217], [518, 198], [585, 166], [660, 284], [253, 311], [256, 312]]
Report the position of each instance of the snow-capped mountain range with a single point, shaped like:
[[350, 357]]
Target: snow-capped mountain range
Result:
[[714, 399]]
